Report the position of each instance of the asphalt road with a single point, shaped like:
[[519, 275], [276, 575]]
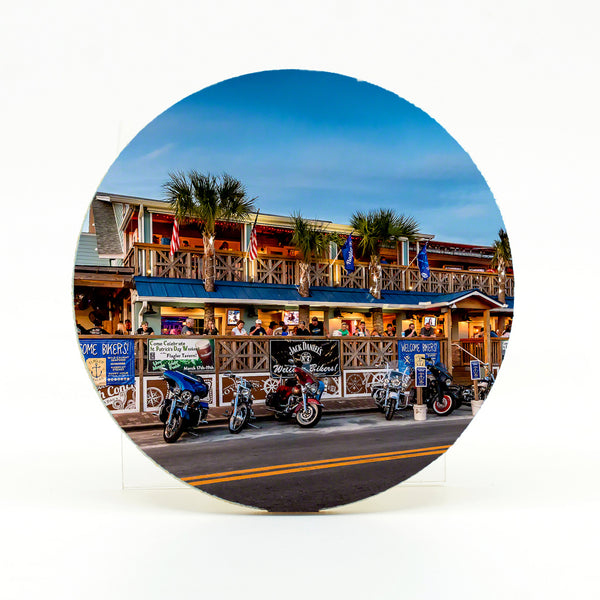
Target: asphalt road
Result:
[[283, 468]]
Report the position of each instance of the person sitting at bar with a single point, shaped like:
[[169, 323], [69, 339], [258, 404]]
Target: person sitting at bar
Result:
[[239, 329], [302, 330], [188, 328], [362, 330], [210, 328], [271, 328], [427, 330], [258, 329], [145, 329], [410, 332], [316, 327], [389, 331]]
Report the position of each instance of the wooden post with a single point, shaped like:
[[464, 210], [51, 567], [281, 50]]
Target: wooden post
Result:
[[449, 338], [378, 319], [487, 346], [304, 314], [140, 369], [209, 313], [217, 360], [419, 396], [476, 390]]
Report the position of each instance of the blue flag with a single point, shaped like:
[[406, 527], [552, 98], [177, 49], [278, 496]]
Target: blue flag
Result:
[[423, 262], [348, 255]]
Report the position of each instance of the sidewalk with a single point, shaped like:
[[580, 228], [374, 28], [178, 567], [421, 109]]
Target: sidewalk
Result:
[[216, 415]]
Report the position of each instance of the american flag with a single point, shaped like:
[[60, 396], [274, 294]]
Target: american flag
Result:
[[253, 247], [175, 238]]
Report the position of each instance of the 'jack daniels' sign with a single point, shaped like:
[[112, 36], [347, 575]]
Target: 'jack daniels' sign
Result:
[[321, 356]]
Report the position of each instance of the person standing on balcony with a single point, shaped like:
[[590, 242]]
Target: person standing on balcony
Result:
[[210, 328], [316, 327], [188, 328], [410, 332], [239, 329], [271, 328], [389, 332]]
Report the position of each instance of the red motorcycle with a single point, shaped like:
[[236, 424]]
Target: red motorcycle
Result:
[[298, 397]]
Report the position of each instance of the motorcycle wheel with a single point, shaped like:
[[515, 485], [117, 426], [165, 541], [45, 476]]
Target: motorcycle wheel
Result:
[[309, 417], [173, 430], [390, 409], [238, 419], [443, 406]]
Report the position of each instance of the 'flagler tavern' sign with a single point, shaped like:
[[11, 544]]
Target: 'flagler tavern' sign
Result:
[[321, 356]]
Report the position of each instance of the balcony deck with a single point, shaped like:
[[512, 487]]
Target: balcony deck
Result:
[[153, 260]]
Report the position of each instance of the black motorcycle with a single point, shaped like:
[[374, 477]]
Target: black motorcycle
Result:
[[438, 394]]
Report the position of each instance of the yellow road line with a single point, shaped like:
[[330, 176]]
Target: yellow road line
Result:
[[268, 473], [312, 462]]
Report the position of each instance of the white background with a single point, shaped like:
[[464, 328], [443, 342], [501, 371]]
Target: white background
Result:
[[515, 83]]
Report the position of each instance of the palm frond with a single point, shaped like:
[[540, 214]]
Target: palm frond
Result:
[[502, 252], [312, 241]]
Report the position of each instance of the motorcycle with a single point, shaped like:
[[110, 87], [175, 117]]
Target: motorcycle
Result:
[[438, 395], [465, 393], [183, 408], [241, 408], [298, 397], [392, 394]]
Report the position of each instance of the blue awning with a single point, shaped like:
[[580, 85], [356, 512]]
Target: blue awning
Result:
[[157, 289]]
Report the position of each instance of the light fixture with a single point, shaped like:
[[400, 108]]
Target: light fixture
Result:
[[337, 313], [150, 310]]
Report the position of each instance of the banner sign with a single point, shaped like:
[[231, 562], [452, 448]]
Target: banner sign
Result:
[[475, 370], [181, 353], [420, 376], [321, 356], [411, 354], [110, 362]]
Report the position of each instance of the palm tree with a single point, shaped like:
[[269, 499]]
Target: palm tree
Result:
[[204, 200], [501, 259], [375, 228], [312, 243]]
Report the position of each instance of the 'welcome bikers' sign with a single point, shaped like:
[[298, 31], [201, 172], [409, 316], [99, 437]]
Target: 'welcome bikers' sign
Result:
[[322, 357], [410, 353], [110, 362]]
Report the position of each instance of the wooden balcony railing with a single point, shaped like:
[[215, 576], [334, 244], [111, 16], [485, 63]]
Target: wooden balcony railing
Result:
[[154, 260]]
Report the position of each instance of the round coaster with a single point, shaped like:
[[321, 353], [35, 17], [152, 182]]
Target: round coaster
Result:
[[294, 290]]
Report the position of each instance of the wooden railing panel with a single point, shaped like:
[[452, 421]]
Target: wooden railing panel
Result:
[[249, 354], [229, 267], [359, 352], [359, 279], [321, 274], [275, 270]]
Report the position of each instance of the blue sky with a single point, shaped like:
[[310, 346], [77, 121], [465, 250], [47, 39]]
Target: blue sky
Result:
[[323, 144]]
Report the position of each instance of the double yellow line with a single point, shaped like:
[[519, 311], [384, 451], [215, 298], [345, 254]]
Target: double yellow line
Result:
[[313, 465]]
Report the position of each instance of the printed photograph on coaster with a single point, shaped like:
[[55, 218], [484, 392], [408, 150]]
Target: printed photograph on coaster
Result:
[[293, 290]]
